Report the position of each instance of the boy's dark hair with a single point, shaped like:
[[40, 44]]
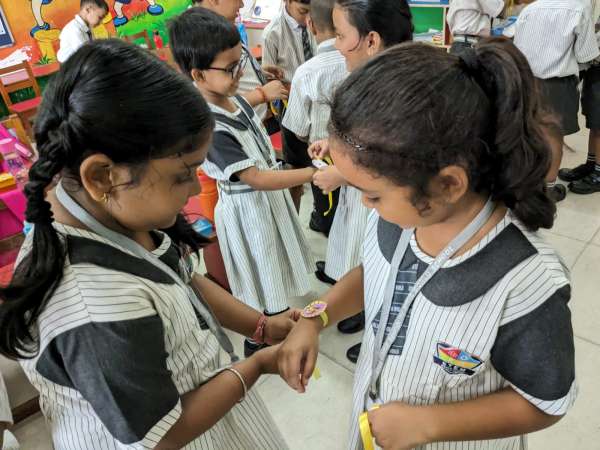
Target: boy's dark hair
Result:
[[321, 14], [415, 109], [391, 19], [197, 36], [304, 2], [98, 3], [112, 98]]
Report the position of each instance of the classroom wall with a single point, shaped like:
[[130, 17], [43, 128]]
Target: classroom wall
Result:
[[39, 45]]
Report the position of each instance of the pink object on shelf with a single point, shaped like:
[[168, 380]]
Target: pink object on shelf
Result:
[[23, 151], [7, 145], [12, 218]]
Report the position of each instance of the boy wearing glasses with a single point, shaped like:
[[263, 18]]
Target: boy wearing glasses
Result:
[[266, 256]]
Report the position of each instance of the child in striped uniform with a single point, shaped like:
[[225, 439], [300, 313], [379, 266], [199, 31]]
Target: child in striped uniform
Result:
[[468, 342], [387, 24], [266, 255], [104, 312]]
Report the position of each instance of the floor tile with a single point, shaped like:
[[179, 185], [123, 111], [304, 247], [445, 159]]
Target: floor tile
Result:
[[585, 303], [569, 249]]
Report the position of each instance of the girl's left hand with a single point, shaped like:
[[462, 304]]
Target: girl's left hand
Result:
[[398, 426], [328, 179], [278, 327]]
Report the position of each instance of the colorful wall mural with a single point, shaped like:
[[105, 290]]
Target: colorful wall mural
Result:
[[36, 24]]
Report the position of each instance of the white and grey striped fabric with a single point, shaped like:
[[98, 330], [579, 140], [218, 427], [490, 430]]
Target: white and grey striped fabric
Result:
[[556, 36], [119, 345], [473, 17], [314, 83], [248, 82], [503, 303], [346, 237], [282, 44], [266, 255]]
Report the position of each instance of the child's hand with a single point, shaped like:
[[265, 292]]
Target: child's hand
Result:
[[275, 90], [274, 72], [279, 326], [328, 179], [398, 426], [319, 149], [298, 354], [267, 359]]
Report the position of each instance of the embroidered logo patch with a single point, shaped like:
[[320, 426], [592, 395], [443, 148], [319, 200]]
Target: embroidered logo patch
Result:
[[454, 360]]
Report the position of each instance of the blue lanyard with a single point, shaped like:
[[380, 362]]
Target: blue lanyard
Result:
[[383, 347], [123, 241]]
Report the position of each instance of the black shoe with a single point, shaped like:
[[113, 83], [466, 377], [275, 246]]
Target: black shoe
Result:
[[353, 352], [251, 348], [352, 324], [320, 274], [577, 173], [557, 193], [313, 225], [587, 185]]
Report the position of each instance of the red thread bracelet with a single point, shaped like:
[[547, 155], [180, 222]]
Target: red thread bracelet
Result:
[[259, 334], [263, 94]]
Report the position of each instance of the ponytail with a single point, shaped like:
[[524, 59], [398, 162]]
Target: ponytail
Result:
[[521, 153], [38, 274], [480, 111]]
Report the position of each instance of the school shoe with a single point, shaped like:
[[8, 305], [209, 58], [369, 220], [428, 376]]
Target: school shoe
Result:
[[577, 173], [155, 10], [587, 185], [353, 352], [557, 193], [321, 275], [251, 348], [352, 324]]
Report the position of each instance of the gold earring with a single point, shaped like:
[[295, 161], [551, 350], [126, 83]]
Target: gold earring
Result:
[[105, 197]]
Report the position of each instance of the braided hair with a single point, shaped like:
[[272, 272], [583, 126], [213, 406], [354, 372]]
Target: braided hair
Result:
[[102, 101]]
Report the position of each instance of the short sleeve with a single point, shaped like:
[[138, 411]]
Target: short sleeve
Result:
[[535, 352], [228, 155], [492, 7], [269, 52], [120, 369], [586, 44], [297, 115]]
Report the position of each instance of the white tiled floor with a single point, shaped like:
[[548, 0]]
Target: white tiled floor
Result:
[[318, 420]]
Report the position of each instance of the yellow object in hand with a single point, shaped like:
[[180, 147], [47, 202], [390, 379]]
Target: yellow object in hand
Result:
[[365, 430]]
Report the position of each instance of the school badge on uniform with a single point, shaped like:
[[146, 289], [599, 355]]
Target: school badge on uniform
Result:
[[455, 361]]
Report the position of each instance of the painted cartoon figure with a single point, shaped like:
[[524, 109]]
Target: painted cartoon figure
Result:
[[153, 8], [36, 9]]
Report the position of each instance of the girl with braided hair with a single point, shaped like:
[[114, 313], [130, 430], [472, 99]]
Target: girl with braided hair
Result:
[[104, 311]]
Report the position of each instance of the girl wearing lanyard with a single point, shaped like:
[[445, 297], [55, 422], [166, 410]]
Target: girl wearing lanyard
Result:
[[363, 29], [468, 341], [104, 311]]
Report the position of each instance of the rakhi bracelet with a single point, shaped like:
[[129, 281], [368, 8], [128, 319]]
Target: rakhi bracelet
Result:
[[241, 378], [259, 334]]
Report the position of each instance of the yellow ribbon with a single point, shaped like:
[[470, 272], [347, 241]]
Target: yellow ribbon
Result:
[[365, 429], [329, 161], [274, 110]]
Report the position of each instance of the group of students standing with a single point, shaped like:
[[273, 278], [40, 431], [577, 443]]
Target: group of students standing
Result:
[[463, 302]]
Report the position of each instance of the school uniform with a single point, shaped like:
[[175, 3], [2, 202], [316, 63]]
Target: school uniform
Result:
[[471, 19], [266, 255], [556, 36], [73, 35], [495, 317], [590, 93], [307, 116], [120, 343], [287, 44], [10, 443]]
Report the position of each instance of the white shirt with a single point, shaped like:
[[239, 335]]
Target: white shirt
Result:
[[556, 36], [248, 82], [473, 17], [282, 44], [73, 35], [313, 86]]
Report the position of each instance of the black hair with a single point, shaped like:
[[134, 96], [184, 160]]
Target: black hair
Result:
[[415, 109], [198, 35], [98, 3], [321, 14], [113, 98], [391, 19], [303, 2]]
